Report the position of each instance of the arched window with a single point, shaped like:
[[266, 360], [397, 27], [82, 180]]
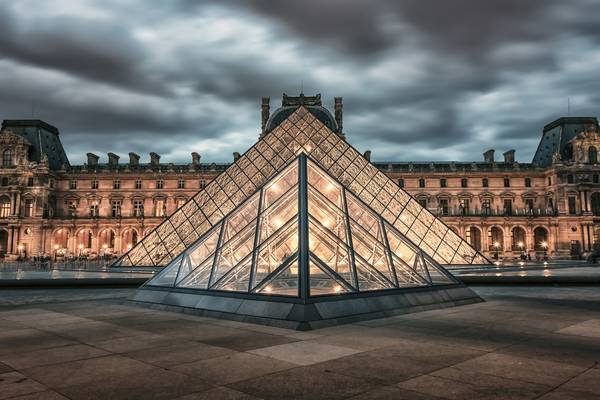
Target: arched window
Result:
[[474, 237], [518, 239], [592, 155], [540, 237], [4, 207], [421, 182], [495, 239], [7, 158]]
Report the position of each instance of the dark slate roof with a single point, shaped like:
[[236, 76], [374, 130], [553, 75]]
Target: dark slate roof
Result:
[[148, 168], [43, 138], [320, 112], [557, 134], [451, 167]]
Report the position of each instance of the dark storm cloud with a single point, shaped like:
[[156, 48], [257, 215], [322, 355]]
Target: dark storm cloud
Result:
[[420, 79]]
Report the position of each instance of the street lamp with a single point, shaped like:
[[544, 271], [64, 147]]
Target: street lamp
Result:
[[545, 247], [80, 247], [520, 244], [496, 247], [20, 248], [55, 251]]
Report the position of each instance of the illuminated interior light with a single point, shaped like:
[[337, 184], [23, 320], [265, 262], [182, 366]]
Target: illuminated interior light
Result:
[[337, 289], [268, 289]]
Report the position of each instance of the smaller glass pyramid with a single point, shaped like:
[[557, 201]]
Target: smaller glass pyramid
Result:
[[302, 234]]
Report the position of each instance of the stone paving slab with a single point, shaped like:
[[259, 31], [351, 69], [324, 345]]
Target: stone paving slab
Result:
[[523, 343]]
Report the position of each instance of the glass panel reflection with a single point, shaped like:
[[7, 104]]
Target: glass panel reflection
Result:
[[331, 251], [275, 251], [285, 283], [233, 252], [324, 184], [322, 282], [281, 184]]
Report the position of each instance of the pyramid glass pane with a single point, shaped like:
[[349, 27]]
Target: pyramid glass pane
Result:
[[238, 279], [201, 250], [399, 247], [331, 251], [371, 250], [324, 184], [233, 251], [278, 214], [438, 276], [407, 275], [285, 282], [184, 269], [200, 276], [322, 281], [369, 278], [167, 276], [327, 214], [281, 184], [275, 251]]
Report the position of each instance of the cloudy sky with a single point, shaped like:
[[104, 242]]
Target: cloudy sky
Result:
[[421, 79]]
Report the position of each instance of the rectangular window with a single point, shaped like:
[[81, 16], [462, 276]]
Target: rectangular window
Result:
[[549, 180], [4, 207], [138, 183], [572, 205], [95, 184], [529, 205], [138, 208], [421, 183], [181, 184], [596, 178], [202, 183], [30, 181], [401, 182], [72, 208], [527, 182], [443, 206], [160, 183], [115, 207], [464, 182], [443, 182], [72, 184], [160, 210], [28, 212], [51, 184], [117, 184], [507, 207], [94, 209], [464, 206], [486, 206], [422, 202], [506, 182], [485, 182]]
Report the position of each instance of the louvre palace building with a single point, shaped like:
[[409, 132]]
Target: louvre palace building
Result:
[[549, 206]]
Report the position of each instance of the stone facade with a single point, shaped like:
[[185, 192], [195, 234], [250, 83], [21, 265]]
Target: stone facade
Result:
[[49, 207]]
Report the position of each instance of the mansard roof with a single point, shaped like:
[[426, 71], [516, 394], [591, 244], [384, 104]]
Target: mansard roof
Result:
[[43, 138]]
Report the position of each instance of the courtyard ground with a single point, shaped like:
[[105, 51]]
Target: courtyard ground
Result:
[[524, 342]]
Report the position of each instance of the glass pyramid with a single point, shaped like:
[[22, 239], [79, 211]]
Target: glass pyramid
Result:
[[302, 234], [301, 132]]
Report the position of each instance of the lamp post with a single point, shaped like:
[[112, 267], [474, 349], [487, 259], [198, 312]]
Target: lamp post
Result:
[[496, 247], [55, 252], [20, 248]]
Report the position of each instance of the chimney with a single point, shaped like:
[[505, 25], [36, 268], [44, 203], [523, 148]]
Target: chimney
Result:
[[367, 155], [236, 156], [338, 113], [488, 156], [113, 159], [195, 158], [509, 156], [92, 159], [265, 113], [154, 158], [134, 159]]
